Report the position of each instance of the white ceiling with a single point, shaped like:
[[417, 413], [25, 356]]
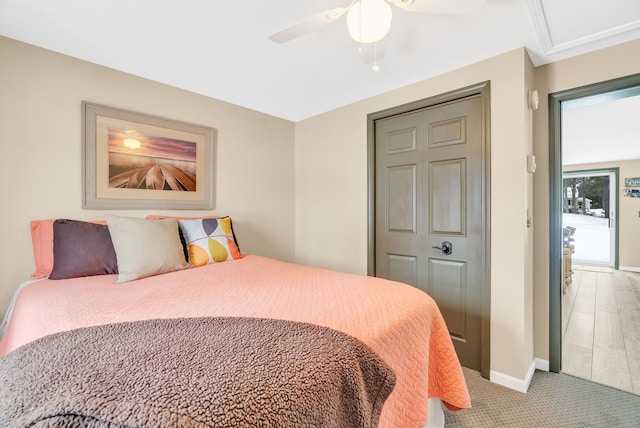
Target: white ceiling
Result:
[[605, 130], [220, 48]]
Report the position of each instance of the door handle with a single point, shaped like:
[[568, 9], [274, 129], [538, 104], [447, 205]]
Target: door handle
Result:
[[446, 248]]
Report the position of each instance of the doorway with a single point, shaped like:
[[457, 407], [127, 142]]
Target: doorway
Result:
[[589, 211], [558, 159], [429, 209]]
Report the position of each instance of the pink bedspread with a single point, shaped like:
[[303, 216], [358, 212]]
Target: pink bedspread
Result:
[[401, 323]]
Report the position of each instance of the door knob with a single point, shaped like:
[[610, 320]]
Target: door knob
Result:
[[446, 248]]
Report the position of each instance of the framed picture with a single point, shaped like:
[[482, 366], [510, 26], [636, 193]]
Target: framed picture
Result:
[[137, 161]]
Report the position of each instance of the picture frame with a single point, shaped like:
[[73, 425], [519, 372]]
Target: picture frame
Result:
[[134, 160]]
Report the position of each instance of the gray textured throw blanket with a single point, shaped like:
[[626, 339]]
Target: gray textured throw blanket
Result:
[[194, 372]]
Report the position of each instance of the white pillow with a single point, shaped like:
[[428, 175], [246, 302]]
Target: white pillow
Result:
[[209, 240], [145, 247]]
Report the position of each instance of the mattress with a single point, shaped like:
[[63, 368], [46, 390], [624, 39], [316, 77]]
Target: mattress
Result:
[[400, 323]]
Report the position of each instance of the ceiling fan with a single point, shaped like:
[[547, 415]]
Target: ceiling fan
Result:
[[369, 21]]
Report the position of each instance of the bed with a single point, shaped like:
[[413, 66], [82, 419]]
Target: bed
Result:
[[393, 333]]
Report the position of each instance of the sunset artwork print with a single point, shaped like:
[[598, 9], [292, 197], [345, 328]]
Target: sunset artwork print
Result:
[[139, 161]]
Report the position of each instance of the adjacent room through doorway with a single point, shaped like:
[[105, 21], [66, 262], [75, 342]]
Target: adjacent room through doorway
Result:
[[599, 290]]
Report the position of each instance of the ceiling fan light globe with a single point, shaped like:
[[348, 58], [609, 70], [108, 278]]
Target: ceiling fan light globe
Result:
[[369, 20]]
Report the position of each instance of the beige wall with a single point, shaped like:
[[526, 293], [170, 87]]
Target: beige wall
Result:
[[618, 61], [331, 193], [628, 213], [40, 153]]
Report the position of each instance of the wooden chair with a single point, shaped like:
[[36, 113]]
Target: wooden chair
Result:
[[568, 249]]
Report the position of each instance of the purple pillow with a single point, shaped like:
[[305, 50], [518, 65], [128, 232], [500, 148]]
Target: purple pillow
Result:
[[82, 249]]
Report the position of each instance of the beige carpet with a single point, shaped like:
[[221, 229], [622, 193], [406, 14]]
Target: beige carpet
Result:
[[553, 400]]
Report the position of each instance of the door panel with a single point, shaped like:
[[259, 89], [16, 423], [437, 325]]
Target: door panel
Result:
[[451, 294], [401, 214], [401, 140], [447, 197], [447, 132], [403, 268], [428, 190]]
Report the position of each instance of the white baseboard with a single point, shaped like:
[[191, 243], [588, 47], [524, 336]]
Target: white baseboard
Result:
[[542, 364], [629, 268], [520, 385]]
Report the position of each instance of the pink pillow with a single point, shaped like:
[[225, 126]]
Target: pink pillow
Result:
[[42, 242]]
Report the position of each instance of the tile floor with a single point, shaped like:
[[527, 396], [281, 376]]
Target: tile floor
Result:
[[601, 327]]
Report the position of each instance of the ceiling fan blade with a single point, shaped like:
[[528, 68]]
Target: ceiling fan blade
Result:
[[308, 25], [440, 6]]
